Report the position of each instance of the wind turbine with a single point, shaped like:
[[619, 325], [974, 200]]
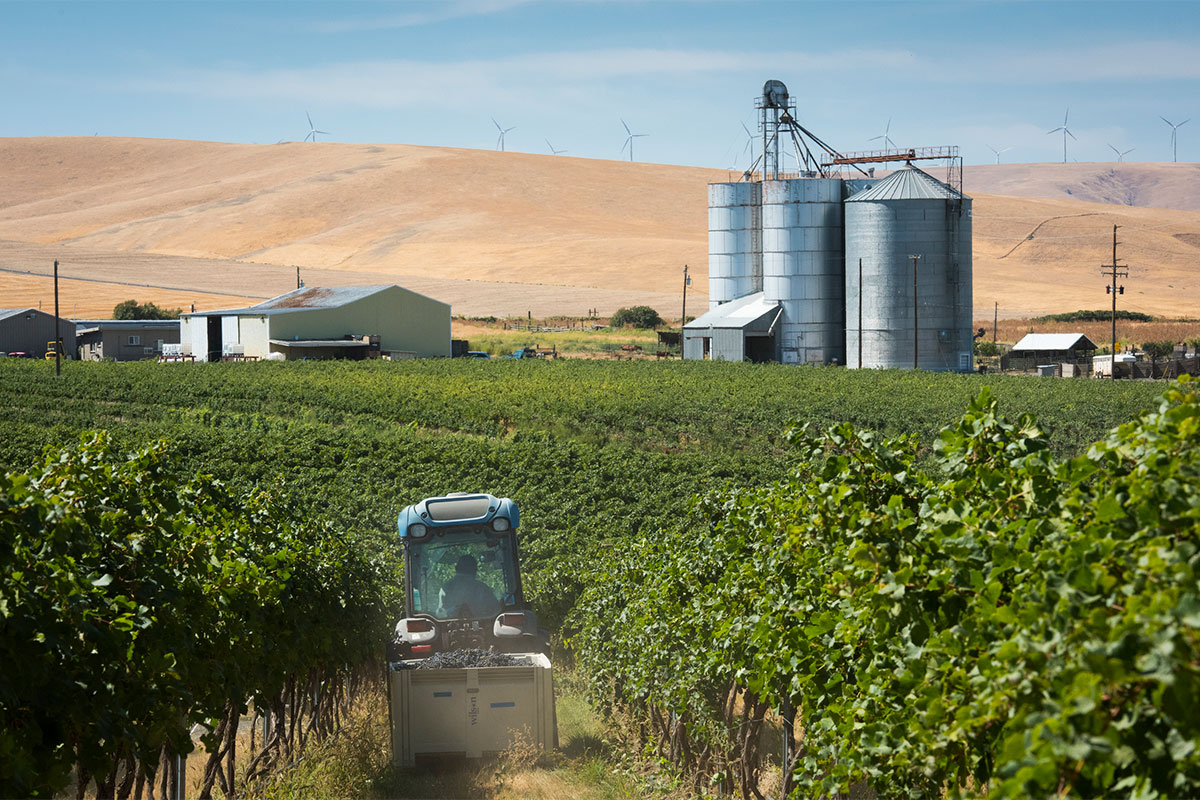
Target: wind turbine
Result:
[[998, 152], [1121, 154], [749, 148], [1065, 131], [629, 139], [1174, 128], [500, 140], [312, 130], [887, 142], [553, 152]]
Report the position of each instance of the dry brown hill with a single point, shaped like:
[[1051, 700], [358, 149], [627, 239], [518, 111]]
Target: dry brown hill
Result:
[[220, 225], [1152, 185]]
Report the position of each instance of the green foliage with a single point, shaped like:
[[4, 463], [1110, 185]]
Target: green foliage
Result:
[[1095, 316], [133, 605], [1010, 624], [1158, 350], [635, 316], [984, 347], [593, 452], [132, 309]]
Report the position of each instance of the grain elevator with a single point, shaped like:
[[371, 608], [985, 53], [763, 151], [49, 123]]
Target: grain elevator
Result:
[[785, 252]]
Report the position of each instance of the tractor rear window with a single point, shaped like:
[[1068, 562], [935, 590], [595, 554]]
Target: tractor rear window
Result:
[[463, 574], [458, 508]]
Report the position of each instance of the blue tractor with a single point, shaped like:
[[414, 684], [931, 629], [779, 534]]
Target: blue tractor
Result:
[[463, 579]]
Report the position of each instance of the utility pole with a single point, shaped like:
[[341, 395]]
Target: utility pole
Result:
[[298, 281], [995, 317], [1114, 270], [686, 281], [57, 327], [916, 346]]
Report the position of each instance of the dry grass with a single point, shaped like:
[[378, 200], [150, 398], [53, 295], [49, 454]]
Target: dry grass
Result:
[[496, 339], [1010, 331], [506, 233], [357, 764]]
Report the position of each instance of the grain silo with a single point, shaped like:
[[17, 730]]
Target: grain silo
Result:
[[803, 267], [909, 316], [734, 246]]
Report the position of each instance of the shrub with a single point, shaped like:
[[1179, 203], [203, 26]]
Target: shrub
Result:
[[1157, 350], [132, 309], [636, 316], [985, 348]]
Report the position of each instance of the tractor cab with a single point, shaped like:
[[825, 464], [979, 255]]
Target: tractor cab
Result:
[[462, 578]]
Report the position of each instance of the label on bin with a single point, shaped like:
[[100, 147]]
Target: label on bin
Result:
[[503, 705], [443, 694]]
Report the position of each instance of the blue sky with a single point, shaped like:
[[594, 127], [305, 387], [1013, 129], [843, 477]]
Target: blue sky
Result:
[[686, 73]]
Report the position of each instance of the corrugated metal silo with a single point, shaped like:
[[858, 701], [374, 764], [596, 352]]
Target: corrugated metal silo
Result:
[[909, 213], [734, 241], [803, 259]]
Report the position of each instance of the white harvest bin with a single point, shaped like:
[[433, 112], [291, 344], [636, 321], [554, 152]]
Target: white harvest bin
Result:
[[470, 712]]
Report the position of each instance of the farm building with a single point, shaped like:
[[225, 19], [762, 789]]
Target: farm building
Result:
[[323, 322], [1036, 349], [739, 330], [124, 339], [27, 330]]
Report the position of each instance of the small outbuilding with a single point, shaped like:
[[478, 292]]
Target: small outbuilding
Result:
[[323, 322], [124, 339], [1037, 349], [740, 330], [32, 332]]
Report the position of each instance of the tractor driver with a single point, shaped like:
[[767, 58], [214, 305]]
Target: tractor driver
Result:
[[465, 596]]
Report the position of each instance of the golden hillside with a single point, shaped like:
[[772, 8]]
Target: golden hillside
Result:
[[219, 225]]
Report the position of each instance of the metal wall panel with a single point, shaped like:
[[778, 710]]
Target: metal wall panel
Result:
[[734, 241], [885, 234], [728, 344], [693, 346], [803, 245]]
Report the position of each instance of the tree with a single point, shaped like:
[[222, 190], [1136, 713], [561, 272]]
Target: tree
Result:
[[986, 348], [132, 309], [637, 316], [1157, 350]]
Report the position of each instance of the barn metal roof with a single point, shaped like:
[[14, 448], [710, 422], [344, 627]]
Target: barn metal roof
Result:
[[5, 313], [907, 183], [740, 313], [307, 298], [1054, 341]]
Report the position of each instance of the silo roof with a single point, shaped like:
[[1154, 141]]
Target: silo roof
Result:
[[908, 183]]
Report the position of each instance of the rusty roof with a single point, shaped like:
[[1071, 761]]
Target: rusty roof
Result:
[[305, 298]]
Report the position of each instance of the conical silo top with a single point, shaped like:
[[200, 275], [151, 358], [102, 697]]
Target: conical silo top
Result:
[[908, 183]]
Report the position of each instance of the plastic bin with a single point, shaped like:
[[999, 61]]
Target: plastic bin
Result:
[[470, 712]]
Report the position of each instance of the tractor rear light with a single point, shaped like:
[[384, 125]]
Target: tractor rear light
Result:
[[421, 649], [512, 620], [419, 625]]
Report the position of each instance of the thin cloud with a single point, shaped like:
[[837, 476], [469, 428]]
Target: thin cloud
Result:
[[400, 83], [427, 14], [538, 79]]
